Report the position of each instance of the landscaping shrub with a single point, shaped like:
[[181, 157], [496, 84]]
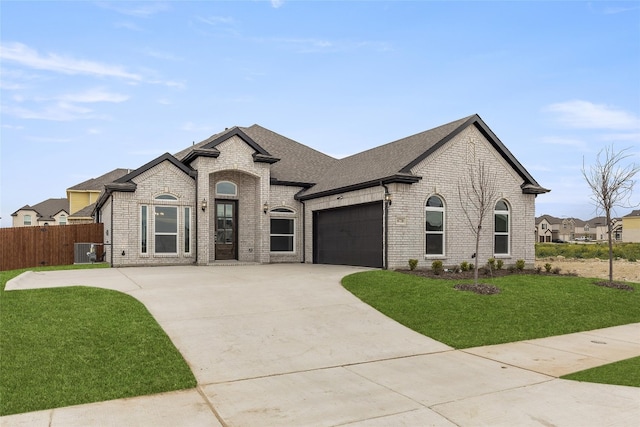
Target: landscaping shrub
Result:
[[465, 266], [413, 263], [499, 264], [520, 264], [437, 267], [491, 263], [547, 267]]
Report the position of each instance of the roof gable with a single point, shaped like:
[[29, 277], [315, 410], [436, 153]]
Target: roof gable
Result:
[[47, 209], [394, 162], [209, 147], [165, 157]]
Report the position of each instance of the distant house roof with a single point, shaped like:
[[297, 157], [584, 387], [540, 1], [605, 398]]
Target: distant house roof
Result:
[[85, 212], [46, 210], [97, 184], [633, 213]]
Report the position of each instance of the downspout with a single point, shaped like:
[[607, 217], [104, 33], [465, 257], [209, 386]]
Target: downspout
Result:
[[385, 263], [112, 230], [304, 228], [195, 206]]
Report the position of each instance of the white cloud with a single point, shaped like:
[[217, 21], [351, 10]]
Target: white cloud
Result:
[[216, 20], [569, 142], [24, 55], [277, 3], [93, 95], [59, 112], [141, 10], [587, 115]]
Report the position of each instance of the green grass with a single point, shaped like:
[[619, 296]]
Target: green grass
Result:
[[628, 251], [67, 346], [625, 372], [528, 306]]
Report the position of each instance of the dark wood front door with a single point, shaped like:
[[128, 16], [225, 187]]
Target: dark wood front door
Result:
[[226, 229]]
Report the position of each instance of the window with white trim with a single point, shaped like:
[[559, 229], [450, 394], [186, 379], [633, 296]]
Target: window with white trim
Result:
[[62, 220], [166, 229], [501, 228], [283, 230], [26, 220], [434, 226]]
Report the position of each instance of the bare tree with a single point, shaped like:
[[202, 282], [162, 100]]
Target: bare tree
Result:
[[611, 185], [478, 193]]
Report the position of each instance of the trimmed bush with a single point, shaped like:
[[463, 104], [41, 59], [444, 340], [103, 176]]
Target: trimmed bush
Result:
[[413, 263], [437, 267], [520, 264]]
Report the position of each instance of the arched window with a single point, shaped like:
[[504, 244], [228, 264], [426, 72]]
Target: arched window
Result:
[[501, 228], [226, 188], [166, 197], [434, 226]]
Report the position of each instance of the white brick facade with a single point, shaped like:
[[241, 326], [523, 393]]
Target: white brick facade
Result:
[[187, 186]]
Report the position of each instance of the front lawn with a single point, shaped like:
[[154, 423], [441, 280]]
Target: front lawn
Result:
[[625, 372], [527, 307], [67, 346]]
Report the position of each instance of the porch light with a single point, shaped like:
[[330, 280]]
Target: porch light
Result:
[[387, 198], [265, 207], [203, 205]]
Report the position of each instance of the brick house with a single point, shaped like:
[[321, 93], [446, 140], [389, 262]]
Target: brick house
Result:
[[252, 195]]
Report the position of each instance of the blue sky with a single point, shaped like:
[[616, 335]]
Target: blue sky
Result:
[[87, 87]]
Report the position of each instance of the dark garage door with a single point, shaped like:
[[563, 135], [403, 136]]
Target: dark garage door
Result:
[[349, 236]]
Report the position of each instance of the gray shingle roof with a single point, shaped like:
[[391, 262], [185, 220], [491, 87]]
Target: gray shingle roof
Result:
[[46, 209], [97, 184], [85, 212], [384, 161], [297, 163]]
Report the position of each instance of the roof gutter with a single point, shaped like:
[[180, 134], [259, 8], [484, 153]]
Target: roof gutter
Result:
[[400, 178]]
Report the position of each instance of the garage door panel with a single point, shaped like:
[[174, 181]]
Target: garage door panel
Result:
[[349, 236]]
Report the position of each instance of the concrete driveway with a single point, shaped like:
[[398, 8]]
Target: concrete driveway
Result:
[[286, 345]]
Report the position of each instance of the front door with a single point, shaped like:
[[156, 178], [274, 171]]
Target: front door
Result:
[[226, 229]]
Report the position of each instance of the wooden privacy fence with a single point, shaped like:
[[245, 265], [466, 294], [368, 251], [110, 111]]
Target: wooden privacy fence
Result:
[[23, 247]]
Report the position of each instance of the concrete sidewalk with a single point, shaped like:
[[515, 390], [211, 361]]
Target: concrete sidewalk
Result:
[[287, 345]]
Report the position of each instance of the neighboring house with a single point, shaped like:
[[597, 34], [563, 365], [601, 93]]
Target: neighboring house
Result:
[[87, 193], [252, 195], [48, 212], [547, 229], [550, 228], [631, 226]]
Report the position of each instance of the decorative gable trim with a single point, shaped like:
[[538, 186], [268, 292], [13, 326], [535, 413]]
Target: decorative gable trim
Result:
[[153, 163], [530, 186], [126, 185], [209, 149]]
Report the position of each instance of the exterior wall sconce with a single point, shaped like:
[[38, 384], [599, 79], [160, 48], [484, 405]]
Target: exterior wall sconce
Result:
[[265, 208], [387, 198], [203, 205]]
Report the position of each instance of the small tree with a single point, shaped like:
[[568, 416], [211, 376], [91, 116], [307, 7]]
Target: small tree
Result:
[[611, 185], [478, 193]]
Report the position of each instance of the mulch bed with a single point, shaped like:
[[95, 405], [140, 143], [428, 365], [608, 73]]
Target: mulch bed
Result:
[[615, 285], [486, 289], [480, 288]]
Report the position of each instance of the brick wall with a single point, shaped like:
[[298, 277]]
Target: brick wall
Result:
[[164, 178]]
